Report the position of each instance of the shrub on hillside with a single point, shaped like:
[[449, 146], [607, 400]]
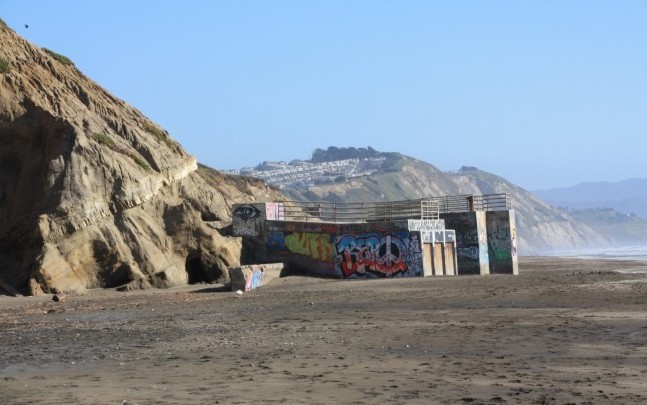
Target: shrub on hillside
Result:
[[4, 65], [63, 59], [158, 133], [103, 139]]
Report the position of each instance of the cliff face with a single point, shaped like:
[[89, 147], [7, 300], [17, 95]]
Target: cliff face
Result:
[[94, 194]]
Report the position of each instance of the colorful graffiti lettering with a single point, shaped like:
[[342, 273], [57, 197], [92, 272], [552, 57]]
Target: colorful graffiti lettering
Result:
[[380, 255], [314, 245]]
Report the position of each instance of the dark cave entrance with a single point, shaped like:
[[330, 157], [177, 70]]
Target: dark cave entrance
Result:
[[195, 270]]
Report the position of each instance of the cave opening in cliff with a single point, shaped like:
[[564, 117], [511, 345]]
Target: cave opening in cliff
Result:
[[195, 270]]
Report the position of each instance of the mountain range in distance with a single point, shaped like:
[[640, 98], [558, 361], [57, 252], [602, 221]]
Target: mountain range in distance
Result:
[[626, 196], [364, 174], [618, 209]]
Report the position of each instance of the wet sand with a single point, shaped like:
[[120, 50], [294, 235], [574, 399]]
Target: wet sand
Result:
[[563, 331]]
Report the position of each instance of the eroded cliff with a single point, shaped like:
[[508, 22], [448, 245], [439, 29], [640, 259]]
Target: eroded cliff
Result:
[[93, 194]]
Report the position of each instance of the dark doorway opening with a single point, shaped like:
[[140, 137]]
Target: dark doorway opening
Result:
[[196, 272]]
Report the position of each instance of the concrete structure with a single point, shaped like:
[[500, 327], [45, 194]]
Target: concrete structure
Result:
[[471, 241], [251, 277], [502, 242], [431, 237]]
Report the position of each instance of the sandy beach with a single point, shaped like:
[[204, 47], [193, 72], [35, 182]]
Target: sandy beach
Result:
[[563, 331]]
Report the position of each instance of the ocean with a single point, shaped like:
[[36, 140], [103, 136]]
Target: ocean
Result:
[[636, 252]]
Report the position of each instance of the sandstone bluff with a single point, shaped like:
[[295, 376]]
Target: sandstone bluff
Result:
[[93, 194]]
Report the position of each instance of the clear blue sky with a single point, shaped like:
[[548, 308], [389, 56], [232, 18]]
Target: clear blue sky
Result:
[[544, 93]]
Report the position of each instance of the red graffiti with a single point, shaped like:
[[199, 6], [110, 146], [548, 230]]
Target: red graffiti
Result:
[[329, 228], [382, 259]]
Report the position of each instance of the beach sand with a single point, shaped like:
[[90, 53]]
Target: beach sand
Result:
[[563, 331]]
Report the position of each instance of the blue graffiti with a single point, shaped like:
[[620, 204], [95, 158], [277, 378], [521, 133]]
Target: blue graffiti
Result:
[[257, 279], [276, 241], [471, 252]]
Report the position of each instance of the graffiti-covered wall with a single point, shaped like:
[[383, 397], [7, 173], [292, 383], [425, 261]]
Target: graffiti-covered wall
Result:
[[502, 242], [471, 241], [482, 243], [248, 219], [386, 249]]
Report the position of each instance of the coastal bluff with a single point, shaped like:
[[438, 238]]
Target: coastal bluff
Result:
[[93, 194]]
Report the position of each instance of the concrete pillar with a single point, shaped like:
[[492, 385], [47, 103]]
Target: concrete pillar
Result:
[[449, 256], [502, 242], [427, 260]]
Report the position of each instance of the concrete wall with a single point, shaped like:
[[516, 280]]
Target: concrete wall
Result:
[[375, 250], [502, 242], [485, 242], [471, 241]]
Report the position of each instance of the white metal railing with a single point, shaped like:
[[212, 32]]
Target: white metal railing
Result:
[[427, 208]]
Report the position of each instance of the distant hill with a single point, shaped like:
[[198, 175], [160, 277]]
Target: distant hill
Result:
[[540, 226], [628, 196], [623, 229], [334, 153]]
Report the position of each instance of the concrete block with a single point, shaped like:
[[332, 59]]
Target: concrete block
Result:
[[252, 276]]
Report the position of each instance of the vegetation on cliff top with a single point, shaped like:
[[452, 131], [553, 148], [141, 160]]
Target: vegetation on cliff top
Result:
[[105, 140], [160, 134], [334, 153], [61, 58]]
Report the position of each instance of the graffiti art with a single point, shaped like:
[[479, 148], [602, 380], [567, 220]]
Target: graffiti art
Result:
[[246, 212], [378, 255]]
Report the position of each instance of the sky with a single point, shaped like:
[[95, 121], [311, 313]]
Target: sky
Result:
[[543, 93]]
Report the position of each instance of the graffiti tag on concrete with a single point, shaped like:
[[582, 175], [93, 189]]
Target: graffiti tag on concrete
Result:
[[426, 224], [255, 280], [248, 219], [379, 255], [315, 245], [246, 213]]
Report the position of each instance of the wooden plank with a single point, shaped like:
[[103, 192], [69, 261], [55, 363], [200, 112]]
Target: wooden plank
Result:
[[438, 259], [450, 265]]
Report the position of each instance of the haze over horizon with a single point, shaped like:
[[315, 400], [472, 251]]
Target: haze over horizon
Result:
[[543, 93]]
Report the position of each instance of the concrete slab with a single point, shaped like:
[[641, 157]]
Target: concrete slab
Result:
[[252, 276]]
